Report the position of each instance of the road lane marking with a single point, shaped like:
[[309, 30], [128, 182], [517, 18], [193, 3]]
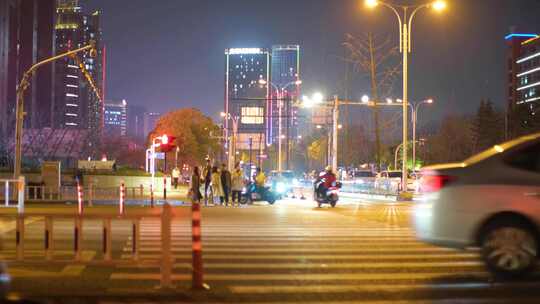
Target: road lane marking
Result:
[[327, 266], [305, 277], [305, 250], [280, 289]]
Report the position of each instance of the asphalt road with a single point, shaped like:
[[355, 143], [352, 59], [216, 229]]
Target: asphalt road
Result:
[[362, 251]]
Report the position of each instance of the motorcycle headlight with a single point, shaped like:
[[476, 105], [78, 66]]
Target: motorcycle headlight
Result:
[[244, 190]]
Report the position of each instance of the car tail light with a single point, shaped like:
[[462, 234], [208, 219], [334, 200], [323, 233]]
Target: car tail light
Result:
[[434, 183]]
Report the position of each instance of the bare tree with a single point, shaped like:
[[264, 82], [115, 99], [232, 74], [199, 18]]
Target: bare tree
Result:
[[377, 57]]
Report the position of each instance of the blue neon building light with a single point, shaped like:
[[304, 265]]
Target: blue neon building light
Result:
[[510, 36]]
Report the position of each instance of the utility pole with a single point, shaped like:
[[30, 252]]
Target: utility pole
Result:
[[335, 119], [375, 94]]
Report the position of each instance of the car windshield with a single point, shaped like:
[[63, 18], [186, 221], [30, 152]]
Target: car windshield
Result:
[[287, 175], [394, 174], [363, 174]]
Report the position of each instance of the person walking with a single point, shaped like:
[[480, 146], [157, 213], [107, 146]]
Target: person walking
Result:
[[237, 184], [217, 189], [175, 177], [195, 186], [225, 183], [207, 177]]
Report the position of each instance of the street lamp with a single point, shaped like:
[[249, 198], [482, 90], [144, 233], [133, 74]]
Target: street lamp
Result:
[[25, 83], [231, 139], [414, 114], [280, 92], [405, 23]]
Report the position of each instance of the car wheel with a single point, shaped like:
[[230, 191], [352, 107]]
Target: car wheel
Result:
[[509, 248]]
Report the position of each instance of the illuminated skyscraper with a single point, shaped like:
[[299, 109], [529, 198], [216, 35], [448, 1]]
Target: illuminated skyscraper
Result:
[[285, 72], [523, 72], [245, 97], [116, 119], [77, 105]]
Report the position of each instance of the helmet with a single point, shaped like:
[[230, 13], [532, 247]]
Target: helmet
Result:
[[328, 169]]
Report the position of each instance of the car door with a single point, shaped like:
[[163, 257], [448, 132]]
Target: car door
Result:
[[522, 179]]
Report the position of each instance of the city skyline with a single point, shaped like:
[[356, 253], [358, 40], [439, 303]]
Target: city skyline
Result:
[[437, 39]]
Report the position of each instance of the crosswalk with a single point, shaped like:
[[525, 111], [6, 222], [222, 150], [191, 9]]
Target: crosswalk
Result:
[[322, 261]]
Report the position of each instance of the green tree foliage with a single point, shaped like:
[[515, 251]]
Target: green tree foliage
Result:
[[488, 126], [453, 142], [196, 135], [316, 152]]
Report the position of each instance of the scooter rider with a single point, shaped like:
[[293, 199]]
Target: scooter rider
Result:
[[328, 178], [260, 179]]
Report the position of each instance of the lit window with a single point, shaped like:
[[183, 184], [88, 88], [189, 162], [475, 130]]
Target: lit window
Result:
[[252, 115]]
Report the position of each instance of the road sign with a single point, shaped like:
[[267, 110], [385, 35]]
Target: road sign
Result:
[[263, 156], [160, 155]]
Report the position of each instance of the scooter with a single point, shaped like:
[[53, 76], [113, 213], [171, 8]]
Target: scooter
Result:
[[331, 195], [251, 193]]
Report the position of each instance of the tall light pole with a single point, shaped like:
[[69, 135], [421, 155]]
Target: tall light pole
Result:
[[280, 93], [231, 140], [415, 120], [335, 127], [23, 85], [405, 25]]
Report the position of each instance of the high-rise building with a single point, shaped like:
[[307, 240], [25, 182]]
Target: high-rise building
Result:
[[135, 122], [149, 122], [26, 37], [523, 83], [8, 65], [116, 119], [77, 104], [245, 98], [285, 74]]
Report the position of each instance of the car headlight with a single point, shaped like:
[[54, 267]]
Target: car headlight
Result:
[[280, 187]]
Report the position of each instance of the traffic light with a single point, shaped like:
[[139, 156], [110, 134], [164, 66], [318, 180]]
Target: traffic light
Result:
[[167, 143]]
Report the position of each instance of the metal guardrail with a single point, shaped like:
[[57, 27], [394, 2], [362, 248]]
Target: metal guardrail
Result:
[[165, 261], [13, 189]]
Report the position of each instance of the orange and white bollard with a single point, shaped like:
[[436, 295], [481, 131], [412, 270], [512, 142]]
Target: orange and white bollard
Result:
[[164, 187], [80, 198], [122, 198], [151, 196], [196, 246]]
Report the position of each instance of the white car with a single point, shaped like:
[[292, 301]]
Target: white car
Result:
[[491, 201], [388, 181]]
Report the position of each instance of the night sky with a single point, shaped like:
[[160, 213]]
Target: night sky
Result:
[[167, 54]]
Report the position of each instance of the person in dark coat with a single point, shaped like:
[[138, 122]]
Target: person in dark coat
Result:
[[207, 178], [195, 185], [225, 184]]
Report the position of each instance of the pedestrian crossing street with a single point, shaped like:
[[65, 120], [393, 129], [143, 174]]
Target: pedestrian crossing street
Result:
[[372, 258]]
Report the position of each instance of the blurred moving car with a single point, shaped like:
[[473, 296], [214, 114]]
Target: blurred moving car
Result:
[[282, 182], [491, 200]]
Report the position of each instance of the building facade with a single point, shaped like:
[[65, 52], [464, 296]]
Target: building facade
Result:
[[245, 98], [26, 37], [135, 122], [523, 72], [78, 105], [149, 122], [285, 74], [116, 119]]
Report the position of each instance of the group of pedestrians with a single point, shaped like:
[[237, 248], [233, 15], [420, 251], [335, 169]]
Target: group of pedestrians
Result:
[[219, 183]]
